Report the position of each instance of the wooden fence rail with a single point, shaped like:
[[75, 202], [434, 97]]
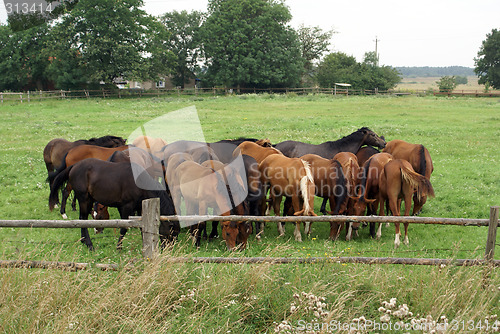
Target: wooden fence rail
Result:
[[150, 220]]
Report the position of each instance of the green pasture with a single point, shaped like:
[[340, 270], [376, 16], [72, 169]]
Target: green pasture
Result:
[[462, 135]]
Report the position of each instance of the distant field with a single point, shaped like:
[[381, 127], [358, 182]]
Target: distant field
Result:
[[426, 83]]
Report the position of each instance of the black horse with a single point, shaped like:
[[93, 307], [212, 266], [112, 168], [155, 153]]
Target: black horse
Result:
[[114, 185], [350, 143]]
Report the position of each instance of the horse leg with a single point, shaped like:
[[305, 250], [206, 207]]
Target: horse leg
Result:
[[348, 236], [125, 212], [65, 194], [276, 206], [85, 207], [323, 206], [214, 233]]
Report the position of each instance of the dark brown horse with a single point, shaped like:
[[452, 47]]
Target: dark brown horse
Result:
[[330, 184], [365, 153], [56, 149], [350, 143], [419, 158], [398, 181], [114, 185]]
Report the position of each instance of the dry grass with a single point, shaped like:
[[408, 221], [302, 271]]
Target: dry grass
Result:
[[428, 83], [166, 297]]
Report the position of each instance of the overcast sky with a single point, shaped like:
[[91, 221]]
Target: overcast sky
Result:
[[410, 33]]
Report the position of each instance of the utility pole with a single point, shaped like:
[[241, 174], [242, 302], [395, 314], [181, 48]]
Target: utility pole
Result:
[[376, 50]]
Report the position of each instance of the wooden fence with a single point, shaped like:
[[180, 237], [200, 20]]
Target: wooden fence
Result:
[[149, 223], [37, 96]]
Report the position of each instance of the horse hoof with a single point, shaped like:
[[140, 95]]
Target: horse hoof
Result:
[[64, 216]]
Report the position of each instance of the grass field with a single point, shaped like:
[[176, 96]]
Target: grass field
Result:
[[461, 134], [430, 83]]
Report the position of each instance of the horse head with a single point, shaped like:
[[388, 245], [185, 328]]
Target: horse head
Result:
[[371, 138]]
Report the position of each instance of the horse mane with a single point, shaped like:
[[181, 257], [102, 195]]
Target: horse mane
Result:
[[423, 164], [349, 137], [103, 140]]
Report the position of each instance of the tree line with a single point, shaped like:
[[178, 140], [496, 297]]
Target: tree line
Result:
[[235, 43]]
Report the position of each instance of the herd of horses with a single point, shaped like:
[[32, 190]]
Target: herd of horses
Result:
[[245, 176]]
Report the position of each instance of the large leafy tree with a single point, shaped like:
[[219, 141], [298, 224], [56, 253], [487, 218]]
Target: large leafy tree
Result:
[[248, 43], [24, 58], [314, 42], [487, 62], [184, 42], [106, 39]]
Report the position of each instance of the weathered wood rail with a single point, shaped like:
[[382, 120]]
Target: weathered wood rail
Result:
[[150, 220]]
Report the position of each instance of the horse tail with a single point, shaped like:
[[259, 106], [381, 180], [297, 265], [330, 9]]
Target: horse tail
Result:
[[304, 187], [60, 169], [57, 184], [423, 164], [417, 181]]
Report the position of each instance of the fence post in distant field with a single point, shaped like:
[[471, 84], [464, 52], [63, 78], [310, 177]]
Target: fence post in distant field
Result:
[[150, 227], [492, 233]]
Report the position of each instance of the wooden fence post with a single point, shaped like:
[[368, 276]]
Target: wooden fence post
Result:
[[150, 227], [492, 233]]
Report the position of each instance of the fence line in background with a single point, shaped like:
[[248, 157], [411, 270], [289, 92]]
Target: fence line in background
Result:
[[33, 96], [149, 223]]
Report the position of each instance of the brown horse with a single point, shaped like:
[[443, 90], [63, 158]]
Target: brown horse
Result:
[[56, 149], [367, 194], [151, 145], [419, 158], [99, 212], [202, 188], [289, 177], [399, 180], [256, 151], [365, 153], [330, 184], [350, 167]]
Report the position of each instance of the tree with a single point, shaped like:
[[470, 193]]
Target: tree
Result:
[[487, 62], [447, 83], [314, 42], [24, 58], [184, 42], [341, 68], [247, 43], [107, 39]]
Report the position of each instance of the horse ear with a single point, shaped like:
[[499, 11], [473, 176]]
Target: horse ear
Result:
[[356, 198], [370, 200]]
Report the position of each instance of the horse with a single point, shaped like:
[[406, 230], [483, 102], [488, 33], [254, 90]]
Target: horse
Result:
[[202, 187], [256, 151], [289, 177], [331, 185], [99, 212], [224, 148], [419, 158], [365, 153], [350, 143], [367, 194], [399, 180], [113, 185], [150, 144], [56, 149], [81, 152], [350, 167]]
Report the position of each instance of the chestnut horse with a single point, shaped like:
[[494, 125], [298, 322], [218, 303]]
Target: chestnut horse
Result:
[[399, 180], [289, 177], [202, 187], [350, 166], [419, 158], [367, 195], [256, 151], [365, 153], [330, 184], [150, 144]]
